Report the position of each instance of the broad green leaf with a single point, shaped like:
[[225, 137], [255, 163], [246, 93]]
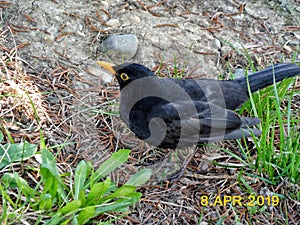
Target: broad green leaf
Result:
[[66, 222], [82, 197], [49, 181], [121, 192], [50, 175], [117, 159], [9, 180], [70, 207], [48, 162], [10, 153], [46, 202], [80, 177], [120, 205], [13, 180], [96, 194], [55, 220], [140, 177], [86, 214]]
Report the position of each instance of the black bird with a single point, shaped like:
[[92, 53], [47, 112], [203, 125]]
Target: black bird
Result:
[[170, 113]]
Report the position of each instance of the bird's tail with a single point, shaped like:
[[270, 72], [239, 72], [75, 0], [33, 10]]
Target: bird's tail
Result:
[[264, 78]]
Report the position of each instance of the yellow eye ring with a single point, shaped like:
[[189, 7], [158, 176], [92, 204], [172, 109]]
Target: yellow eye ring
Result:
[[124, 76]]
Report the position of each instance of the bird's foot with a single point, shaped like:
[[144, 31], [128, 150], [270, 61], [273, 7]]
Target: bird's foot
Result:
[[176, 160]]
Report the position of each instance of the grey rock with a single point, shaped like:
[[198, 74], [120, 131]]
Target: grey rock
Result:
[[122, 47], [216, 44], [238, 73]]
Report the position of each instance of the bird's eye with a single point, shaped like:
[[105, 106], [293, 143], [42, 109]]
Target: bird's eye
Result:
[[124, 76]]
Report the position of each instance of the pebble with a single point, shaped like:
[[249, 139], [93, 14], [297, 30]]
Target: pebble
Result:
[[49, 39], [104, 4], [122, 47], [114, 23], [238, 73], [216, 44], [135, 19], [288, 49], [79, 33]]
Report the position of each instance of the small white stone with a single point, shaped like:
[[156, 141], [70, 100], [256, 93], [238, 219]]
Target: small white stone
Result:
[[288, 49], [49, 39], [113, 23], [104, 4], [135, 19], [216, 44], [81, 34], [239, 73]]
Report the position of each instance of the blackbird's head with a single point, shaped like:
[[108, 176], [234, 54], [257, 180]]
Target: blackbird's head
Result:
[[126, 72]]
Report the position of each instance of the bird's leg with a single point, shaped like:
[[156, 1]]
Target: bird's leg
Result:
[[176, 176], [175, 160]]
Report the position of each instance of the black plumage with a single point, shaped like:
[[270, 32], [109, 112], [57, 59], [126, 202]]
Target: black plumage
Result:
[[171, 113]]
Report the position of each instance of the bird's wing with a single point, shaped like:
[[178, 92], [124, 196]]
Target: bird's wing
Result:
[[198, 121], [207, 113]]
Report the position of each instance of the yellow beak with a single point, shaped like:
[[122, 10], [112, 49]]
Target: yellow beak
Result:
[[107, 66]]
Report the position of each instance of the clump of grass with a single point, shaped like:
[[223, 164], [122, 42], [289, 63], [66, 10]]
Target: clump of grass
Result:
[[63, 197], [278, 152]]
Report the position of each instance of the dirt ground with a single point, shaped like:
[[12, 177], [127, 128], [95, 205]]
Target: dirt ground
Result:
[[58, 41]]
